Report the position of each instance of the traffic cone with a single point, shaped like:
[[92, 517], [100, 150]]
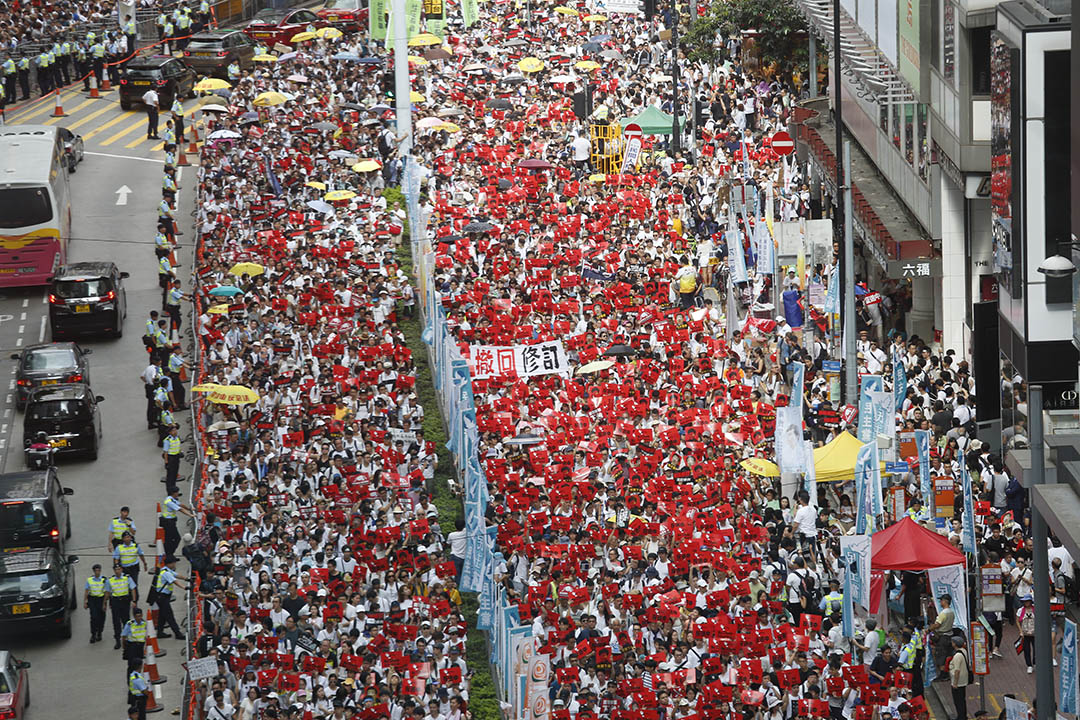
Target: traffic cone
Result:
[[150, 667], [59, 111], [181, 158], [151, 634], [193, 146], [151, 703], [93, 86], [106, 86]]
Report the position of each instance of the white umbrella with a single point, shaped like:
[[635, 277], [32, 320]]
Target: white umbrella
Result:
[[297, 78], [563, 79], [474, 67], [429, 122], [594, 366], [320, 206], [223, 135], [214, 108], [223, 425]]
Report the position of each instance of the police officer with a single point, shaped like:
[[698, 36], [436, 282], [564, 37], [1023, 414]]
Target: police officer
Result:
[[183, 27], [177, 110], [166, 579], [65, 60], [138, 688], [94, 601], [97, 59], [119, 525], [160, 22], [129, 32], [82, 67], [151, 376], [168, 183], [121, 590], [10, 74], [834, 601], [170, 33], [172, 307], [115, 56], [23, 67], [161, 347], [176, 366], [170, 508], [171, 449], [165, 274], [234, 71], [165, 217], [166, 420], [128, 555], [204, 14], [133, 636], [54, 65], [162, 244], [44, 74]]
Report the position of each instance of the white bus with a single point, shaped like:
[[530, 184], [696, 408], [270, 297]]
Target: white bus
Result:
[[35, 204]]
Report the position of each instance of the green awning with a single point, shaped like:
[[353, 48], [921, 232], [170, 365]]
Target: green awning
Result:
[[653, 121]]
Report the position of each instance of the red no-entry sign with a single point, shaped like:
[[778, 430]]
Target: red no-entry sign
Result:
[[633, 130], [782, 143]]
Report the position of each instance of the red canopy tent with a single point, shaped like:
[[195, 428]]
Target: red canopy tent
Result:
[[909, 546]]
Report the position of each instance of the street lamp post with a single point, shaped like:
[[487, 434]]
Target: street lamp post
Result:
[[675, 140], [1044, 651]]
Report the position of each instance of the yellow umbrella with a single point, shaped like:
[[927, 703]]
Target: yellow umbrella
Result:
[[265, 58], [315, 184], [218, 310], [424, 39], [760, 466], [304, 36], [448, 127], [596, 18], [208, 84], [416, 97], [329, 33], [247, 268], [335, 195], [268, 99], [233, 395], [417, 60], [563, 10], [206, 387], [531, 64], [597, 177], [586, 64], [595, 366], [366, 166]]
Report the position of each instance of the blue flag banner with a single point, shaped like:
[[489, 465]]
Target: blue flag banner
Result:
[[855, 565], [789, 441], [950, 580], [810, 471], [867, 489], [930, 670], [967, 528], [798, 375], [1068, 680], [926, 483], [764, 242], [736, 255], [899, 379], [832, 293], [867, 385]]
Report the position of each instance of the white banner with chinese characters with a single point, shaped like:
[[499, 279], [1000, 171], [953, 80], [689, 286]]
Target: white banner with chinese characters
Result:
[[522, 361]]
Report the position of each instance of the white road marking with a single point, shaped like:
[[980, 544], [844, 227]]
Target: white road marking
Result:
[[8, 398], [44, 299], [22, 316], [5, 318], [18, 343], [41, 332], [22, 328], [125, 157], [122, 194], [26, 302]]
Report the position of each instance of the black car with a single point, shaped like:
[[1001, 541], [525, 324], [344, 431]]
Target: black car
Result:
[[34, 511], [212, 51], [37, 591], [88, 297], [168, 75], [49, 364], [68, 415]]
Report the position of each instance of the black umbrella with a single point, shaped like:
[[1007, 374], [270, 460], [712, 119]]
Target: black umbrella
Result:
[[498, 104], [619, 350], [352, 106], [513, 80], [505, 184], [437, 54], [524, 439], [516, 42], [592, 47], [535, 164], [450, 239], [478, 227], [324, 127]]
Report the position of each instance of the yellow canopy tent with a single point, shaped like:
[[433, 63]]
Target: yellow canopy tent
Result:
[[836, 460]]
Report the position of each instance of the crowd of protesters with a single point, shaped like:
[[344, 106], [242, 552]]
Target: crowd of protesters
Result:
[[662, 578]]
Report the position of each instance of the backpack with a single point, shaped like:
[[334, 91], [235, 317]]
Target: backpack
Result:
[[152, 593]]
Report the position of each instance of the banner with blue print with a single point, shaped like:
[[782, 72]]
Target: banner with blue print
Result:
[[1068, 681], [899, 380], [926, 482], [798, 382], [790, 447], [832, 293], [868, 384], [868, 504], [967, 526], [855, 558], [950, 580]]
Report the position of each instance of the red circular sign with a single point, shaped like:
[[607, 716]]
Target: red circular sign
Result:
[[782, 143], [632, 130]]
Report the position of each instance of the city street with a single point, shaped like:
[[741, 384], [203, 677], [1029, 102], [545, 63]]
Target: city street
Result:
[[71, 678]]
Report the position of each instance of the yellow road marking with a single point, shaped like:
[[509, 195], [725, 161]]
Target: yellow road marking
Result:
[[108, 124], [91, 116], [46, 106], [77, 108], [140, 123]]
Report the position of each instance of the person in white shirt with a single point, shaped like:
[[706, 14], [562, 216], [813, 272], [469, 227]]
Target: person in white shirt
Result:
[[580, 147], [151, 101], [806, 520]]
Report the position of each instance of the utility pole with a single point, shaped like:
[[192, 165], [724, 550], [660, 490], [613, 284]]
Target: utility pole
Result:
[[675, 140], [847, 285], [1044, 651], [402, 88]]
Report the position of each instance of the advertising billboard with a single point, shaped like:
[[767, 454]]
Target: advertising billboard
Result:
[[1004, 158]]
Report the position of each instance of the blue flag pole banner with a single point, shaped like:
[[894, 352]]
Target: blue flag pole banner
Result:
[[765, 255], [883, 416], [810, 471], [930, 670], [832, 293], [950, 580], [847, 609], [926, 483], [1069, 678], [899, 380], [789, 439], [798, 375], [855, 558], [967, 527], [867, 385], [867, 489], [736, 256]]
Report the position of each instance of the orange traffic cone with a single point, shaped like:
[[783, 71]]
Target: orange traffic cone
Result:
[[151, 635], [152, 705], [181, 158], [195, 131], [150, 667], [193, 146], [106, 86], [59, 111], [93, 86]]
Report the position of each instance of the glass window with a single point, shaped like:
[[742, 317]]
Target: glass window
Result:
[[923, 142], [57, 410], [93, 287], [25, 583], [896, 125], [980, 61], [909, 133], [22, 515], [50, 359], [24, 206]]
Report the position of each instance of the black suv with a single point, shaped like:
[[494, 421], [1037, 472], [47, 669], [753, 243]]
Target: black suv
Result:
[[68, 414], [34, 510], [169, 76], [212, 51], [88, 297], [37, 590]]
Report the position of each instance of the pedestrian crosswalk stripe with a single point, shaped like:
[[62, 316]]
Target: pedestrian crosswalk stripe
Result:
[[108, 124], [140, 123], [77, 108], [43, 107], [82, 121]]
